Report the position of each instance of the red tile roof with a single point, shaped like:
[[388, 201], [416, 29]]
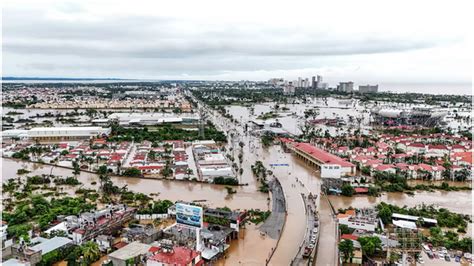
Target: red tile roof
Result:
[[149, 167], [321, 155], [361, 190], [383, 167], [349, 237], [464, 156], [154, 249], [418, 145]]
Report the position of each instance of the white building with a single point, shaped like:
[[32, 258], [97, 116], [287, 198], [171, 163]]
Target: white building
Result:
[[66, 133], [152, 118], [3, 231], [330, 171], [345, 86]]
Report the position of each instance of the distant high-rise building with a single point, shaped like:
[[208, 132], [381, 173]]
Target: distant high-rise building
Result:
[[313, 82], [320, 79], [345, 86], [368, 88], [275, 81], [289, 89]]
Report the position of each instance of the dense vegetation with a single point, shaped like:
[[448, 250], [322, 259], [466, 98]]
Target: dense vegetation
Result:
[[258, 216], [166, 132], [449, 239], [391, 182], [444, 217], [40, 212], [156, 207], [230, 181]]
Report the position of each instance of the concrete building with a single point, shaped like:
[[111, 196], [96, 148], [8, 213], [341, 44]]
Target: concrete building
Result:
[[345, 86], [368, 88], [289, 89], [131, 254], [330, 171], [57, 134], [210, 162], [149, 119], [321, 159], [360, 219]]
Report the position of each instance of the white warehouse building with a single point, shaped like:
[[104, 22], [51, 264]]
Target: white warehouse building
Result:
[[51, 134]]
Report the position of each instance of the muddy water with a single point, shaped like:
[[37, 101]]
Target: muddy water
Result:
[[251, 248], [437, 183], [214, 196], [334, 108], [326, 254], [455, 201]]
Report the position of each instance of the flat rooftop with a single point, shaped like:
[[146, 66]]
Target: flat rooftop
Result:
[[131, 250]]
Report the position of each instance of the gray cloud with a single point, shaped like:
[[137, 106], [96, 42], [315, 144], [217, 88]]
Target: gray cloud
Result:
[[37, 41]]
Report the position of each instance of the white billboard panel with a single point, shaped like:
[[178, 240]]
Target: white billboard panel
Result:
[[189, 215]]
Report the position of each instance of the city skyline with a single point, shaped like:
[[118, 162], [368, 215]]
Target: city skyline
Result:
[[83, 39]]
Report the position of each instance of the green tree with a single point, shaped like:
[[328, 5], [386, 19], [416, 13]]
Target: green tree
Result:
[[76, 167], [90, 252], [370, 245], [347, 190], [385, 214], [347, 248], [132, 172], [102, 170], [344, 229]]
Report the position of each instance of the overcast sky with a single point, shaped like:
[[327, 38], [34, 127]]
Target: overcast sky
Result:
[[364, 41]]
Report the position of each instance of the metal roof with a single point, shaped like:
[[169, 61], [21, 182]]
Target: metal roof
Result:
[[413, 218], [51, 244]]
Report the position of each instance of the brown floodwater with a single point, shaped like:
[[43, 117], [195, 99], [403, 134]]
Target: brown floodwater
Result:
[[455, 201], [212, 195], [251, 249]]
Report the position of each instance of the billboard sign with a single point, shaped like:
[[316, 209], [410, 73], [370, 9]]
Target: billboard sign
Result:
[[189, 215]]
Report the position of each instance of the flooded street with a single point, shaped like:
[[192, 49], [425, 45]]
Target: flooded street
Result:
[[251, 248], [296, 178], [326, 254]]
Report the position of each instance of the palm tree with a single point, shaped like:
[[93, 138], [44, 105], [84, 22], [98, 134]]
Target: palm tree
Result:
[[90, 252], [347, 248], [189, 172]]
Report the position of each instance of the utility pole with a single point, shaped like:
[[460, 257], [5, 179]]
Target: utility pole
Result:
[[202, 121]]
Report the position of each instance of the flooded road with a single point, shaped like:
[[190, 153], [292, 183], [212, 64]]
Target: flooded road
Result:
[[326, 254], [251, 248]]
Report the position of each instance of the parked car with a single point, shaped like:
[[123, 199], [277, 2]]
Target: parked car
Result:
[[447, 258]]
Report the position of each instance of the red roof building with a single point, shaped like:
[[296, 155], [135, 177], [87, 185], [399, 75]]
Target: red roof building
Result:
[[179, 256], [361, 190], [320, 155], [349, 237]]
